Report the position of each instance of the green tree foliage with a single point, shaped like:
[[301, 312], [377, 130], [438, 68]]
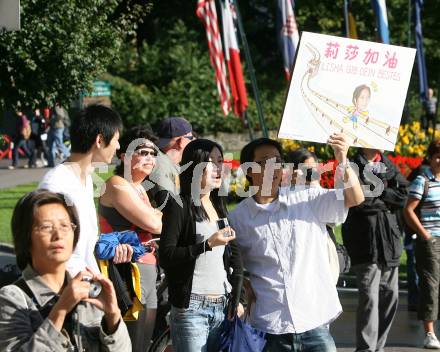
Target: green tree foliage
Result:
[[171, 77], [170, 61], [63, 45]]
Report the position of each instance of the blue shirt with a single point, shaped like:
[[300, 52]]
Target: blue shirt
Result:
[[430, 208]]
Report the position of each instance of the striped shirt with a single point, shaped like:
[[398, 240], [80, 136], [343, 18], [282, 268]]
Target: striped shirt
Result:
[[430, 208]]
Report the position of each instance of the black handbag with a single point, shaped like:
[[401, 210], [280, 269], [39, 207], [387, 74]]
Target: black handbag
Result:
[[120, 275], [343, 257]]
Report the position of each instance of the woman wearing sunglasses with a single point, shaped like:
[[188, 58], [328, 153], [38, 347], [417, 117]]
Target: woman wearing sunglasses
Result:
[[124, 205]]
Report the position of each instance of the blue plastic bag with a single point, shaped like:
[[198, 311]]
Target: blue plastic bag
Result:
[[238, 336], [106, 246]]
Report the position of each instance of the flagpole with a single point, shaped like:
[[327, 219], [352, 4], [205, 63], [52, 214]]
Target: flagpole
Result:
[[251, 70], [347, 25], [248, 123], [409, 23]]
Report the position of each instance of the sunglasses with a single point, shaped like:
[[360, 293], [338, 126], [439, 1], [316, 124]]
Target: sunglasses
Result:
[[262, 163], [144, 153]]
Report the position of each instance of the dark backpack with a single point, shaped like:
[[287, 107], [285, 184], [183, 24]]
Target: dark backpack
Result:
[[343, 257]]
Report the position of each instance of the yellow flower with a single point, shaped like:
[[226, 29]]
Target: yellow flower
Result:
[[415, 126], [405, 139], [397, 149]]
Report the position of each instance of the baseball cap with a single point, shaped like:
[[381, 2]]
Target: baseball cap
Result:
[[172, 127]]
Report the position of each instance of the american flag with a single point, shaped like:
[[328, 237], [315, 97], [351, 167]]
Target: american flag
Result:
[[208, 15], [288, 35]]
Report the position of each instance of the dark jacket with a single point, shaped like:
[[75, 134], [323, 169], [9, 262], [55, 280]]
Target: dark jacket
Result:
[[371, 232], [178, 252]]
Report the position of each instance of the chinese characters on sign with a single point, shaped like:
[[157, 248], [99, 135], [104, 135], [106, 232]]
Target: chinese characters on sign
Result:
[[347, 85], [352, 51]]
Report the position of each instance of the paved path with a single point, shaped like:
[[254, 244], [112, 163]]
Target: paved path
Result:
[[406, 334], [19, 176]]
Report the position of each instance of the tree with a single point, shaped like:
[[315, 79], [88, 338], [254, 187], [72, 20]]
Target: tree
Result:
[[170, 69], [63, 45], [171, 77]]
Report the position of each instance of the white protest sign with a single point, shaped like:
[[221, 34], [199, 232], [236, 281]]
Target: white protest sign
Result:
[[347, 85]]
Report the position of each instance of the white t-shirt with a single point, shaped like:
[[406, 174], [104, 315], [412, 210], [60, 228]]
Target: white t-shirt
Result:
[[63, 180]]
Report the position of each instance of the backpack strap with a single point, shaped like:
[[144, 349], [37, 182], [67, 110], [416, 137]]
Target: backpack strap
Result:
[[425, 188], [331, 234], [45, 310]]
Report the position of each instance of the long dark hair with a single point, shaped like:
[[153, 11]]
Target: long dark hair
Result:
[[23, 219], [197, 152]]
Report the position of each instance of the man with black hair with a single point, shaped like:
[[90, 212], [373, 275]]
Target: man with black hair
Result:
[[94, 139], [283, 240]]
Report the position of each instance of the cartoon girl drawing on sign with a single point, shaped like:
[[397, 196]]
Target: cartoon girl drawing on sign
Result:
[[361, 99]]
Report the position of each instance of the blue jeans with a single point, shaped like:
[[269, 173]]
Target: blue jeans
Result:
[[316, 340], [197, 328], [55, 141], [27, 145]]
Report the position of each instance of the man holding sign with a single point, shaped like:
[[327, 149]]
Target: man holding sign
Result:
[[283, 239]]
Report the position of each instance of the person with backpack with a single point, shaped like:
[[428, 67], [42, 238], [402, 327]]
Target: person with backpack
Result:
[[422, 215], [47, 309], [23, 142], [373, 239]]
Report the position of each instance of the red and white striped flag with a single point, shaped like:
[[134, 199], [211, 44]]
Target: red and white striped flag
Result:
[[232, 54], [288, 33], [208, 15]]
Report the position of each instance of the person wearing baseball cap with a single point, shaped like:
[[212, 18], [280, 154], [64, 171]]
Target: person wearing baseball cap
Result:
[[174, 134]]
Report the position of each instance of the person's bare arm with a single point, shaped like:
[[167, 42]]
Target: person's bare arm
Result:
[[122, 196], [413, 220], [353, 194]]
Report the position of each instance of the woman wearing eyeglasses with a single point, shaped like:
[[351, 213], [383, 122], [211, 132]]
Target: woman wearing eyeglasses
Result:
[[202, 263], [124, 205], [46, 309]]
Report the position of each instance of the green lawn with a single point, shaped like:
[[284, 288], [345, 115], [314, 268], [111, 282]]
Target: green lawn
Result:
[[10, 196], [8, 199]]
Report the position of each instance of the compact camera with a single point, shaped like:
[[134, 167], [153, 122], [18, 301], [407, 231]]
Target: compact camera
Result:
[[95, 286], [223, 223]]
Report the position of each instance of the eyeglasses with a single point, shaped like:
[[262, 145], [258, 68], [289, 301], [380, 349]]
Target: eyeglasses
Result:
[[144, 153], [48, 229], [262, 163]]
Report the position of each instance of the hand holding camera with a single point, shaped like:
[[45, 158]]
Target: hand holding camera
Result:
[[224, 235], [91, 288]]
